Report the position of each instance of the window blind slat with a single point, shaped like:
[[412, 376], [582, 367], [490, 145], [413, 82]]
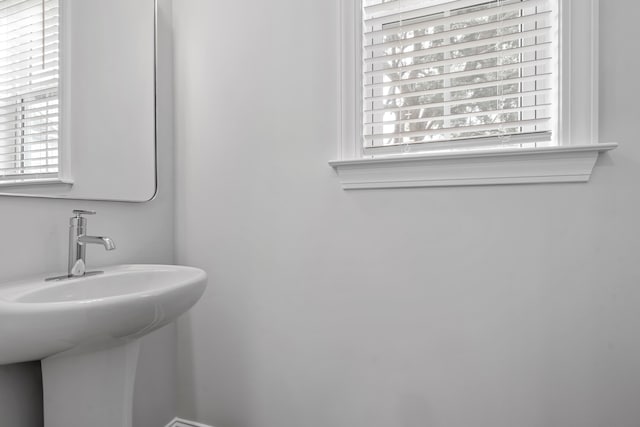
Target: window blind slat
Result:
[[42, 154], [10, 22], [484, 71], [13, 86], [497, 74], [29, 67], [35, 177], [449, 130], [7, 117], [22, 139], [30, 130], [541, 107], [27, 46], [49, 100], [412, 12], [449, 89], [466, 142], [537, 49], [39, 150], [30, 54], [8, 4], [36, 156], [21, 92], [406, 42], [29, 62], [28, 171], [30, 74], [456, 47], [456, 102], [11, 9], [30, 33], [408, 26], [52, 142], [39, 91], [28, 123], [374, 9]]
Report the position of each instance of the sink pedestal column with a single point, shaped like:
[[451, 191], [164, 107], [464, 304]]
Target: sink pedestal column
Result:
[[93, 389]]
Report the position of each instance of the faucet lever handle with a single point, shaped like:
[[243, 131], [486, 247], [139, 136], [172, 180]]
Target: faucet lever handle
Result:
[[79, 212]]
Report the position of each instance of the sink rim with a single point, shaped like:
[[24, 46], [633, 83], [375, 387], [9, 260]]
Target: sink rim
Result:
[[11, 292]]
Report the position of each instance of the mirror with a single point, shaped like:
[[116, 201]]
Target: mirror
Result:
[[106, 115]]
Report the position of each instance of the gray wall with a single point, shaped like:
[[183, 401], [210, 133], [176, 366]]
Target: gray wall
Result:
[[453, 307], [34, 236]]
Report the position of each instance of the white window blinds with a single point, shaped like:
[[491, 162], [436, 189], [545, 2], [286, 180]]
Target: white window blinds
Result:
[[457, 72], [29, 51]]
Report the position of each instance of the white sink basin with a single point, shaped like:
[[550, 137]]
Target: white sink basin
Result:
[[39, 319], [85, 330]]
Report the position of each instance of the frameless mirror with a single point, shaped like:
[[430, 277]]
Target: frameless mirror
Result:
[[78, 101]]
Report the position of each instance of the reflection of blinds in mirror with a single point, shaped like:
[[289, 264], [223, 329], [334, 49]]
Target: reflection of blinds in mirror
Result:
[[29, 111], [445, 71]]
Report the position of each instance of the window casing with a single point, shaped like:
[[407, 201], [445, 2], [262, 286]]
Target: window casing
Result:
[[29, 94], [537, 121]]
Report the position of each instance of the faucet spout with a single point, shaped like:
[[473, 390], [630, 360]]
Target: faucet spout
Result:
[[78, 241], [100, 240]]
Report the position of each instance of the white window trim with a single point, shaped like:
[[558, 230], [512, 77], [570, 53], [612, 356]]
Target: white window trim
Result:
[[571, 161], [63, 178]]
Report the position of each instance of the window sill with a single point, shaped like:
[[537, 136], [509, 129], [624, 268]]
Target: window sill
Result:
[[36, 182], [569, 163]]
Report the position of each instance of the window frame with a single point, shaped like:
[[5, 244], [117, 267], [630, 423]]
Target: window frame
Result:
[[61, 177], [572, 160]]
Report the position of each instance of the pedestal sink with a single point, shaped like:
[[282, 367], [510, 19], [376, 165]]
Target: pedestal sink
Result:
[[85, 330]]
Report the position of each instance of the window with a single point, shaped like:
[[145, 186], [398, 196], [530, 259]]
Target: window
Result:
[[466, 82], [29, 75], [433, 74]]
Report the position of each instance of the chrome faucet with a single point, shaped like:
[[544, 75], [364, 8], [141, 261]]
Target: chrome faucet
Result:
[[78, 241]]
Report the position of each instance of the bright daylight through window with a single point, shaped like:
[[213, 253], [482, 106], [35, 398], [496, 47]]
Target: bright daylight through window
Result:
[[29, 75], [466, 72]]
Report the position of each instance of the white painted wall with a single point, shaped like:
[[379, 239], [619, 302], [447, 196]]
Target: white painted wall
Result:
[[35, 240], [455, 307]]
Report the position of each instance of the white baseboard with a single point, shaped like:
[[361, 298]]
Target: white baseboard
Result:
[[178, 422]]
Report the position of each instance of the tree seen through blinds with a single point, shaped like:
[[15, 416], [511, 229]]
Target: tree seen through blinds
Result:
[[457, 71], [29, 73]]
